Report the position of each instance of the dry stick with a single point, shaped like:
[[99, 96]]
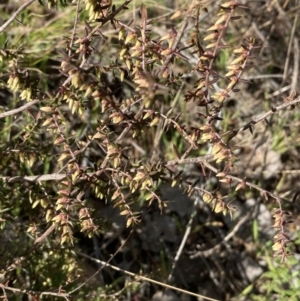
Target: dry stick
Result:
[[184, 239], [104, 264], [4, 295], [20, 109], [13, 17], [296, 66], [215, 248], [30, 292], [45, 234], [269, 113], [41, 178], [143, 32], [74, 27], [286, 65], [138, 277]]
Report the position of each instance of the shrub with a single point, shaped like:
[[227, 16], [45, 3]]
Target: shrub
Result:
[[95, 111]]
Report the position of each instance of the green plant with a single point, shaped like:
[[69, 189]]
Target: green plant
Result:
[[280, 283], [99, 120]]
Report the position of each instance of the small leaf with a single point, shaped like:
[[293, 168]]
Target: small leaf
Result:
[[63, 157], [239, 186], [176, 151], [149, 196], [115, 195], [47, 121], [59, 140], [237, 61], [35, 204], [212, 36], [219, 207], [154, 121], [46, 109], [221, 19], [277, 246], [128, 222], [177, 14], [148, 114], [207, 198], [143, 11]]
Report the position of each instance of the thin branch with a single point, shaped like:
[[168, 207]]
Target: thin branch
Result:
[[14, 16], [139, 277], [42, 178], [74, 27], [289, 51], [295, 76], [184, 239], [30, 292], [212, 250], [20, 109], [269, 113], [45, 234], [104, 264]]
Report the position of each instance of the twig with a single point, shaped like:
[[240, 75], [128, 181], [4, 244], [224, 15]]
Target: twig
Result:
[[143, 32], [20, 109], [138, 277], [4, 295], [42, 178], [184, 239], [30, 292], [212, 250], [289, 51], [45, 234], [269, 113], [74, 27], [104, 264], [295, 76], [14, 15]]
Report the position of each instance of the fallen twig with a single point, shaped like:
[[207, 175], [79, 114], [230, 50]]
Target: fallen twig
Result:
[[14, 15]]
